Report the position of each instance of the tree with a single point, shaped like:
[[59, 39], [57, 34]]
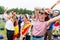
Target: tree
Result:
[[20, 11], [1, 9]]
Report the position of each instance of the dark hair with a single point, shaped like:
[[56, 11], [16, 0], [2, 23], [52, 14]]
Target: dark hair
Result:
[[47, 17], [26, 16], [15, 23], [13, 12]]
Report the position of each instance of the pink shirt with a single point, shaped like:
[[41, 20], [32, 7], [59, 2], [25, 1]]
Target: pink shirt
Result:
[[39, 28]]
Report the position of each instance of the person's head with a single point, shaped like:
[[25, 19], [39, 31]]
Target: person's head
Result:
[[25, 17], [55, 13], [10, 14], [14, 13], [44, 15]]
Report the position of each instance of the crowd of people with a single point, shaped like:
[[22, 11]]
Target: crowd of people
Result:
[[44, 24]]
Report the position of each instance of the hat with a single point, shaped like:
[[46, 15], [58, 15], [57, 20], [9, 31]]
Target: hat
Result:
[[56, 11]]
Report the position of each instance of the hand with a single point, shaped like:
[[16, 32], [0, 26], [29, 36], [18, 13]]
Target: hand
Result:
[[5, 9], [58, 1], [48, 10], [37, 8]]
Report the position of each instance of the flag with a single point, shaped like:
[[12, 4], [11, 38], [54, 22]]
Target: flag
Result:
[[25, 28]]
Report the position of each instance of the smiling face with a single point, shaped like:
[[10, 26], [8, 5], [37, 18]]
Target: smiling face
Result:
[[42, 16], [24, 17]]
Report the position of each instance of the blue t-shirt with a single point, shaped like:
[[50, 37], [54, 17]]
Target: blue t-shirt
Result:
[[51, 25], [20, 20]]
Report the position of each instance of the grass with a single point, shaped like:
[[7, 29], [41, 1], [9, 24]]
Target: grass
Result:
[[3, 32]]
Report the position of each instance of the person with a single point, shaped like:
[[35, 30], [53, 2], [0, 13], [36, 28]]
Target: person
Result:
[[9, 27], [16, 28], [56, 30], [20, 20], [49, 30], [41, 24], [48, 34], [25, 26]]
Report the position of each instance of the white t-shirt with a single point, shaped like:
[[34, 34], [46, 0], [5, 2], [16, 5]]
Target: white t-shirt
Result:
[[9, 25]]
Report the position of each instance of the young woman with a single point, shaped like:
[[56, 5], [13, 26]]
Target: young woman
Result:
[[41, 24], [9, 27], [16, 28], [25, 26]]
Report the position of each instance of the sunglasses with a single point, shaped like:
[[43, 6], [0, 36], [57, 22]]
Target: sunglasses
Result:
[[41, 13]]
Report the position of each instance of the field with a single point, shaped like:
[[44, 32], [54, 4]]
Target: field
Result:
[[3, 31]]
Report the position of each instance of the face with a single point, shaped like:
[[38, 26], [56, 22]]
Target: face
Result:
[[55, 14], [24, 17], [14, 13], [42, 16]]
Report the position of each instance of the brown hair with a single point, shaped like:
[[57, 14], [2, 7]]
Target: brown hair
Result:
[[47, 17]]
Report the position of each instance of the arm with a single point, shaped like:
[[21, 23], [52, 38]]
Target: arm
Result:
[[55, 4], [50, 9], [53, 20], [37, 12]]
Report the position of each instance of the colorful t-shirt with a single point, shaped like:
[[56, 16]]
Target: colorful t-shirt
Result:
[[56, 29]]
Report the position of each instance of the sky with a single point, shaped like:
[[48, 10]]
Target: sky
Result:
[[29, 4]]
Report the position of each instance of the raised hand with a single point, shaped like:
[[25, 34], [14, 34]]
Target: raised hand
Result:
[[55, 4], [37, 8], [48, 10], [58, 1]]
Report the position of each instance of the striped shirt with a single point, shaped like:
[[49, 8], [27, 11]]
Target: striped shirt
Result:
[[39, 28]]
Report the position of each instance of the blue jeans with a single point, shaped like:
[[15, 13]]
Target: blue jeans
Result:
[[33, 38], [55, 38]]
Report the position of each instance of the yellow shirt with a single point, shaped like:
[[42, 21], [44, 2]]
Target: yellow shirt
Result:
[[16, 31]]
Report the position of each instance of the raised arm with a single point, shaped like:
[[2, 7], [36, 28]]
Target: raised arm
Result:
[[37, 12], [55, 4], [53, 20]]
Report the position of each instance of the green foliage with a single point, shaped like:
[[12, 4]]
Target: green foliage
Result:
[[20, 11], [1, 9]]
